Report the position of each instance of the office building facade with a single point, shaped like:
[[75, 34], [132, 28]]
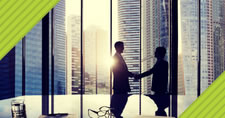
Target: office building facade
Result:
[[33, 58], [59, 48], [155, 33], [73, 55], [7, 72], [218, 34], [129, 33], [212, 42]]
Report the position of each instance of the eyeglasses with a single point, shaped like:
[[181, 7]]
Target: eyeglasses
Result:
[[104, 112]]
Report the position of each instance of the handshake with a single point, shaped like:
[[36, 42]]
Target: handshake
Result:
[[136, 76]]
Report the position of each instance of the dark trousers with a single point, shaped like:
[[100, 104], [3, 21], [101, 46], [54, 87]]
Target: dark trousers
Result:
[[162, 101], [118, 103]]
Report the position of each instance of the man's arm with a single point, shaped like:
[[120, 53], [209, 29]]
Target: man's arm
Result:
[[147, 73], [144, 74], [130, 74]]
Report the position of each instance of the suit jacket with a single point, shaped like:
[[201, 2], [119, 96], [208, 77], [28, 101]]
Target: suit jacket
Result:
[[121, 74], [160, 76]]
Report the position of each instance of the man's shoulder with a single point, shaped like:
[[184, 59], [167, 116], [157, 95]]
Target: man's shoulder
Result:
[[116, 58], [116, 55], [163, 62]]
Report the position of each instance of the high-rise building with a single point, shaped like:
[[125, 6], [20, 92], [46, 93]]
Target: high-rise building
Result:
[[129, 33], [89, 57], [189, 38], [212, 42], [96, 53], [218, 34], [207, 52], [7, 72], [73, 55], [154, 33], [59, 48], [181, 87], [33, 58], [33, 62]]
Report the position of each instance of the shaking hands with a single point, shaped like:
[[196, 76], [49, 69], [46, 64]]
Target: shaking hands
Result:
[[137, 76]]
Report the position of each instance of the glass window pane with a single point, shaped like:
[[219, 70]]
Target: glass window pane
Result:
[[155, 33], [211, 50], [73, 47], [96, 53], [67, 57], [126, 28], [212, 41], [187, 53], [96, 22], [7, 70], [59, 24]]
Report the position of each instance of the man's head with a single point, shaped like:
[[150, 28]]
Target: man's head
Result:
[[160, 52], [119, 46]]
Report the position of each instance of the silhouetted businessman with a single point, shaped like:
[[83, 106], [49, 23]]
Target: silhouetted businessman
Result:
[[121, 85], [159, 81]]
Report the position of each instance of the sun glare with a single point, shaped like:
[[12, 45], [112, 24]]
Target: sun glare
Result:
[[109, 62]]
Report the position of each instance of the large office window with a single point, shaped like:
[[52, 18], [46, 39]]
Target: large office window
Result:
[[154, 33], [96, 46], [188, 53], [83, 43], [201, 47], [96, 54]]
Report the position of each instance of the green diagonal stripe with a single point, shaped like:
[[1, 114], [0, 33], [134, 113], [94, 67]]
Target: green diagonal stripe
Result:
[[210, 104], [18, 17]]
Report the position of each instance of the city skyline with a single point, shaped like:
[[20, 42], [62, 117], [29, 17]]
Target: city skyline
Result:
[[73, 55], [29, 52], [212, 43], [155, 27], [155, 33]]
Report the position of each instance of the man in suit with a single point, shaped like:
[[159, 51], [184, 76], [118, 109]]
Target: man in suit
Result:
[[121, 85], [159, 81]]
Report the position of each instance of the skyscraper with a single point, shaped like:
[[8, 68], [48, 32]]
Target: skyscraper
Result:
[[33, 62], [212, 42], [154, 33], [7, 72], [129, 33], [189, 38], [33, 58], [73, 55], [218, 19], [96, 53], [181, 87], [59, 47], [207, 50]]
